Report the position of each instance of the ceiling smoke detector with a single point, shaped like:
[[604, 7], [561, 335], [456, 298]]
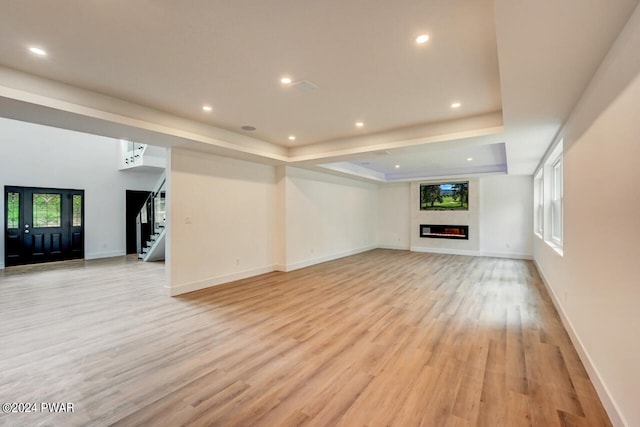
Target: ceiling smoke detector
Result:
[[248, 128]]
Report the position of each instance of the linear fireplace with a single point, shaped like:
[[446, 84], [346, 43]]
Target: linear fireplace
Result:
[[437, 231]]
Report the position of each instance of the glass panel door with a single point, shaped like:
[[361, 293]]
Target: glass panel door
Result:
[[43, 224]]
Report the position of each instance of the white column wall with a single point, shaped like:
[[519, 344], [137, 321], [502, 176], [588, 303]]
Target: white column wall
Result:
[[221, 216]]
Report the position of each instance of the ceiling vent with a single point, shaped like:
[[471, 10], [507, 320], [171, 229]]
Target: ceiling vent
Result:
[[305, 86]]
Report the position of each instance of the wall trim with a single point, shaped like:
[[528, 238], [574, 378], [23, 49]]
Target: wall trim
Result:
[[395, 247], [448, 251], [331, 257], [507, 255], [183, 288], [617, 419], [110, 254]]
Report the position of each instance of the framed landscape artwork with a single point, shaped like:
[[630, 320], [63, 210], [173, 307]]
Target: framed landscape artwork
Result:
[[445, 196]]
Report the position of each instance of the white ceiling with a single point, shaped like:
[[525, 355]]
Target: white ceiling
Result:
[[517, 67]]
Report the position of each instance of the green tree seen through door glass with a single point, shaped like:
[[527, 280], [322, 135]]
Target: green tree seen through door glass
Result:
[[46, 210], [77, 210], [13, 210]]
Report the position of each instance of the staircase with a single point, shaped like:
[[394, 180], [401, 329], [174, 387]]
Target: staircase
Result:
[[152, 217]]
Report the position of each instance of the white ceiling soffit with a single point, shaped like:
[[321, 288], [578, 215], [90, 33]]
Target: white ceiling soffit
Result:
[[147, 68], [437, 162]]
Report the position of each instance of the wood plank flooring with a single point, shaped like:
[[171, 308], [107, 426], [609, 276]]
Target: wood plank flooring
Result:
[[376, 339]]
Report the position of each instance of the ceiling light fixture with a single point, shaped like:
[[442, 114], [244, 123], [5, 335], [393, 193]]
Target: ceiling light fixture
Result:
[[207, 108], [397, 166], [37, 51], [359, 124], [456, 105], [422, 38], [292, 137], [469, 159], [286, 80]]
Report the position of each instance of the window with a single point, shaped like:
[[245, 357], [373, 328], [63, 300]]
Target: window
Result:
[[77, 210], [46, 210], [13, 210], [556, 202], [538, 203], [548, 199]]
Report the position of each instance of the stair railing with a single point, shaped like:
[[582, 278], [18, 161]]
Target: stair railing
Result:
[[152, 215]]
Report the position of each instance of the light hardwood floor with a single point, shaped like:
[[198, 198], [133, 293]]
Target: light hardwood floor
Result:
[[380, 338]]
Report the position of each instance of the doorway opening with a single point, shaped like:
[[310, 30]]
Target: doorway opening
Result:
[[134, 202]]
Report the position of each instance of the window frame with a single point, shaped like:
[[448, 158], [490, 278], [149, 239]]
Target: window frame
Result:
[[557, 201]]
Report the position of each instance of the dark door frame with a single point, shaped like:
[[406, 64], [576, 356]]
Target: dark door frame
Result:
[[28, 244]]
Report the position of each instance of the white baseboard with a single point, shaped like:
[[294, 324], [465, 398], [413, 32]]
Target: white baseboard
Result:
[[395, 247], [318, 260], [507, 255], [449, 251], [110, 254], [615, 415], [446, 251], [214, 281]]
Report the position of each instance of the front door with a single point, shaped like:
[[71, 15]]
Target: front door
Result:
[[43, 224]]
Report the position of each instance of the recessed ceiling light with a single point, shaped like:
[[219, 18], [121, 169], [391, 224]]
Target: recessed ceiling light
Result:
[[359, 124], [207, 108], [422, 38], [37, 51], [248, 127], [286, 80], [397, 166], [456, 105], [469, 159], [292, 137]]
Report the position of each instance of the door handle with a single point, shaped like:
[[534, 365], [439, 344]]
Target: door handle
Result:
[[26, 226]]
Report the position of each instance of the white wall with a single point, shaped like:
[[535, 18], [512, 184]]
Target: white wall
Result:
[[394, 216], [221, 215], [327, 217], [41, 156], [469, 217], [506, 216], [596, 282]]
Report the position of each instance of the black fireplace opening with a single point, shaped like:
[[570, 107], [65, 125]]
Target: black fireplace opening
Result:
[[437, 231]]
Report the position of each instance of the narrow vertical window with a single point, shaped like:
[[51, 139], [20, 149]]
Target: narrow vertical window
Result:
[[77, 210], [539, 204], [13, 210], [556, 202]]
